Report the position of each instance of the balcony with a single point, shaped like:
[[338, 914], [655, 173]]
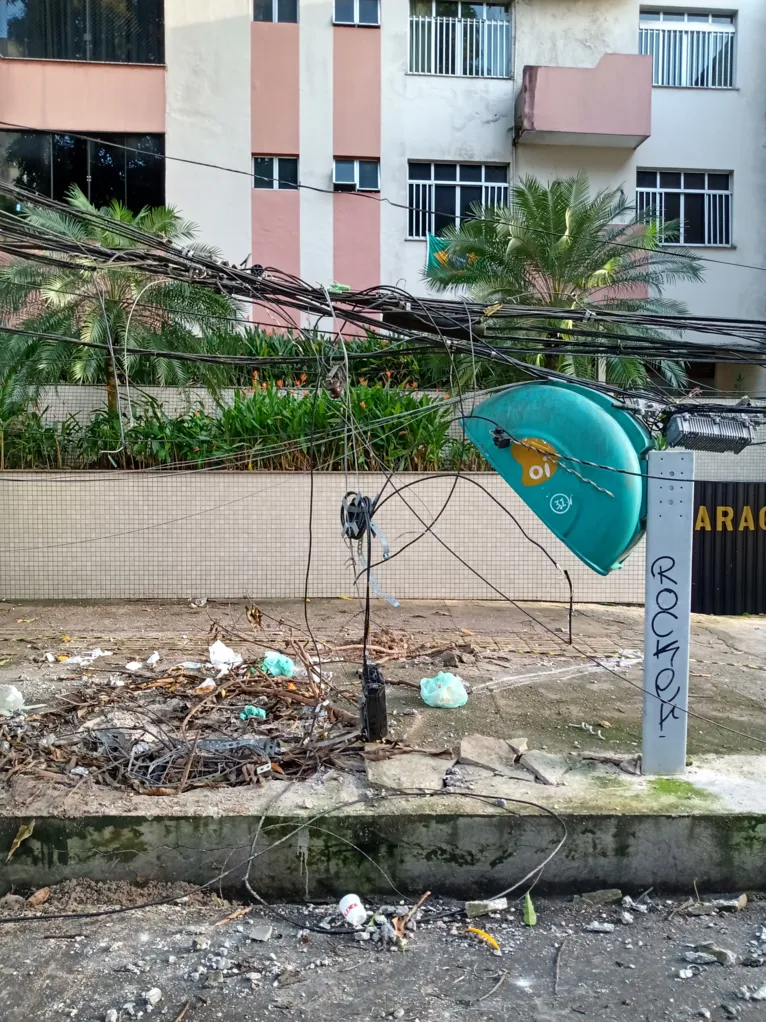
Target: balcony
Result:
[[607, 105], [460, 47]]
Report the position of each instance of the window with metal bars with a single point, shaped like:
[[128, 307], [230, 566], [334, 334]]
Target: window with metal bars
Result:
[[125, 167], [699, 200], [453, 37], [689, 50], [128, 32], [441, 194]]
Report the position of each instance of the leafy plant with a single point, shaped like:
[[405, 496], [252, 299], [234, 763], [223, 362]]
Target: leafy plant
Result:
[[559, 246], [267, 429], [116, 306]]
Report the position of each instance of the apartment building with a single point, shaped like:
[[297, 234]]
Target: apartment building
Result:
[[329, 137]]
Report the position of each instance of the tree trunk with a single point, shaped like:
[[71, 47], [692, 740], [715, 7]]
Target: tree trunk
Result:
[[111, 387]]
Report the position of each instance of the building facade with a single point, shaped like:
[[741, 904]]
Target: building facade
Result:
[[329, 137]]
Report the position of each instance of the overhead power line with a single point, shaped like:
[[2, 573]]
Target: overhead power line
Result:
[[372, 196]]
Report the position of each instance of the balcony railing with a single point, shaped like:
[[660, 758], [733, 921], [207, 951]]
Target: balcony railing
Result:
[[690, 58], [465, 47]]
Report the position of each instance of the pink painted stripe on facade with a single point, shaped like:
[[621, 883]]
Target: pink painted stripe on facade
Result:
[[276, 230], [54, 94], [356, 239], [356, 91], [275, 100], [356, 133]]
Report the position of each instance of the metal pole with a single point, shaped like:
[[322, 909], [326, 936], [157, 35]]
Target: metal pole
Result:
[[667, 610]]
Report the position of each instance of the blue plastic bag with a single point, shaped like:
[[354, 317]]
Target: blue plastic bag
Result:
[[445, 690], [278, 665]]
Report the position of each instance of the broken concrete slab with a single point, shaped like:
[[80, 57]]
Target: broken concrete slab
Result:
[[547, 767], [412, 770], [489, 782], [518, 745], [605, 897], [491, 753]]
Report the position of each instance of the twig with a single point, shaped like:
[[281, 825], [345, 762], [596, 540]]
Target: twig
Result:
[[187, 768], [645, 894], [556, 965], [503, 976], [62, 936], [679, 908], [183, 1011]]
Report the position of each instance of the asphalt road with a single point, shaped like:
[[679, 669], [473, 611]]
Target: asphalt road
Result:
[[81, 969]]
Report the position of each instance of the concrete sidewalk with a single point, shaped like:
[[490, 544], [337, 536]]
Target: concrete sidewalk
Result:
[[570, 703]]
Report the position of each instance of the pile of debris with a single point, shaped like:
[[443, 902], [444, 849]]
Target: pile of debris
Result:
[[162, 731]]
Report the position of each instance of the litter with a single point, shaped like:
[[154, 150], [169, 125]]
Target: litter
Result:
[[446, 691], [133, 666], [50, 658], [278, 665], [256, 712], [153, 659], [352, 910], [473, 909], [486, 937], [84, 659], [207, 686], [221, 656], [190, 665], [11, 700], [730, 904]]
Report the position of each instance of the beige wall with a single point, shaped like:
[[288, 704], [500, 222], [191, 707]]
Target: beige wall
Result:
[[127, 535], [207, 47]]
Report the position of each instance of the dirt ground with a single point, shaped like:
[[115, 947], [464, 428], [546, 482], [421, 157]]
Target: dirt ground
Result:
[[83, 969], [524, 677]]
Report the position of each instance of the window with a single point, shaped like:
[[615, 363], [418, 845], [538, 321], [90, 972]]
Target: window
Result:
[[356, 12], [471, 40], [701, 201], [125, 167], [694, 51], [275, 10], [441, 194], [356, 176], [275, 172], [128, 32]]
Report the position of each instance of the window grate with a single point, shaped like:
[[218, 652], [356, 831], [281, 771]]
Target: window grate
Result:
[[441, 194], [700, 201], [693, 51], [477, 46]]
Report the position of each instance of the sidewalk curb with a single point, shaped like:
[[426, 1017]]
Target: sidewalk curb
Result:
[[464, 855]]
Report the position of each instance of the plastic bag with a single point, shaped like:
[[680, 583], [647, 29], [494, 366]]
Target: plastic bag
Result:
[[445, 690], [278, 665], [221, 656], [256, 712]]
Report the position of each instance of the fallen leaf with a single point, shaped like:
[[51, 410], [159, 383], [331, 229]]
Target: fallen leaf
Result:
[[466, 631], [39, 897], [25, 620], [24, 832], [66, 638], [484, 936], [530, 916]]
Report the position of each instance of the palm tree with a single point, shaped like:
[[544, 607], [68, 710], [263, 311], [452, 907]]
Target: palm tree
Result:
[[116, 306], [556, 246]]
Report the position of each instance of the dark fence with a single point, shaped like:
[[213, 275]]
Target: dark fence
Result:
[[729, 558]]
